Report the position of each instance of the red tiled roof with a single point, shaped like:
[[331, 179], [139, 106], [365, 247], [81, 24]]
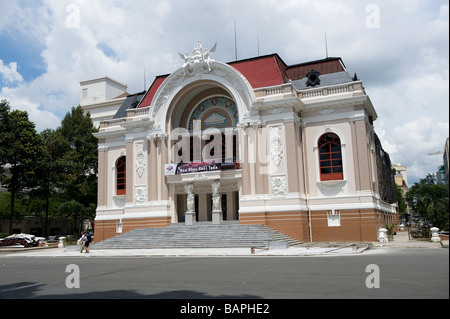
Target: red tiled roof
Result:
[[265, 71], [147, 100], [262, 71]]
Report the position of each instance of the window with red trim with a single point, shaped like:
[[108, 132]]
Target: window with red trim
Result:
[[330, 157], [121, 176]]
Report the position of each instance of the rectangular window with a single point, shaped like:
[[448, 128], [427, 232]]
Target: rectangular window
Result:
[[84, 94], [121, 176], [334, 220]]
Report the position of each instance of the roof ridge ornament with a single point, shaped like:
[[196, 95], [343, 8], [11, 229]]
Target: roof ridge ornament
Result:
[[199, 60]]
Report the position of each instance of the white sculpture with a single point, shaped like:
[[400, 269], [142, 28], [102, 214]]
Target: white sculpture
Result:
[[217, 203], [382, 236], [198, 61], [217, 216], [190, 205], [215, 187], [216, 197], [189, 217]]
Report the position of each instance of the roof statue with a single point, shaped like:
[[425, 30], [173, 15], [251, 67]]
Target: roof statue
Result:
[[199, 60]]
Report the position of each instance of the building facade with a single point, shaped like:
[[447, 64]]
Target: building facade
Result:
[[256, 141]]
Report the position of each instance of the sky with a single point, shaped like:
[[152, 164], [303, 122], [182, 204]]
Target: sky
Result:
[[398, 48]]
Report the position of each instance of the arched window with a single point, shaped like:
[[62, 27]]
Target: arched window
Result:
[[330, 157], [220, 113], [121, 176]]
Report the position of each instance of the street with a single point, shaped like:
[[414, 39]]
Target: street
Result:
[[403, 273]]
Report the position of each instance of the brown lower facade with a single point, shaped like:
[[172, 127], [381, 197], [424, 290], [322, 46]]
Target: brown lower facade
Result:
[[105, 229], [317, 226]]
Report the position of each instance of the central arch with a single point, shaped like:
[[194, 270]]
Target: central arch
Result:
[[219, 100], [179, 89]]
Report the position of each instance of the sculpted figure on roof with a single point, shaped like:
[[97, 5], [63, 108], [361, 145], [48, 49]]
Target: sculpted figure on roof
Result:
[[198, 61]]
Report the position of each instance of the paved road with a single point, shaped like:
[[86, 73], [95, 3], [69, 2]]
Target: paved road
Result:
[[413, 273]]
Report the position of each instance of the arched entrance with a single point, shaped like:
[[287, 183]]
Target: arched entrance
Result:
[[205, 176], [199, 112]]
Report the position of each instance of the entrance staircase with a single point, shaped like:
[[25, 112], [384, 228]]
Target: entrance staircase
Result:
[[200, 235]]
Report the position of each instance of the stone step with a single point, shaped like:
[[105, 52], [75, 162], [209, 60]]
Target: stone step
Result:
[[200, 235]]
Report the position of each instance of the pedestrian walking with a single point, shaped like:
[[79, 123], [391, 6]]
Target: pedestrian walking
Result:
[[88, 241], [85, 241]]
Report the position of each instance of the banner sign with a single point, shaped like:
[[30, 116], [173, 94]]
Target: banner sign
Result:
[[186, 168]]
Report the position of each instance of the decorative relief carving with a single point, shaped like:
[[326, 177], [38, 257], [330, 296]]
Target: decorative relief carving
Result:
[[140, 163], [139, 195], [279, 187], [276, 150], [200, 176], [277, 110], [326, 111]]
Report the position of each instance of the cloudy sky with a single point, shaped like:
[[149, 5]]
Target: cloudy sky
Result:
[[398, 48]]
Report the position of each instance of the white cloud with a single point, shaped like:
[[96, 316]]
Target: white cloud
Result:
[[9, 72], [403, 63]]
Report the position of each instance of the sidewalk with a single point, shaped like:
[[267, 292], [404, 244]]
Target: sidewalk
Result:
[[309, 249], [73, 251], [401, 240]]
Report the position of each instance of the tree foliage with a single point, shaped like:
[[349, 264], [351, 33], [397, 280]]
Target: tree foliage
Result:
[[80, 156], [56, 168], [431, 201], [402, 207], [20, 148]]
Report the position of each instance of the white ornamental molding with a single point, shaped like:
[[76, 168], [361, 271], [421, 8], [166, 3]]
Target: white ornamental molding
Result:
[[140, 163], [279, 187], [276, 150], [157, 136], [277, 110], [255, 125]]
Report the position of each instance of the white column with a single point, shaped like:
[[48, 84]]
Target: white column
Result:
[[435, 234]]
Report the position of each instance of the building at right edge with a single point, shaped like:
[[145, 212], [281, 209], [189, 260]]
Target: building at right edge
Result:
[[304, 156], [336, 183]]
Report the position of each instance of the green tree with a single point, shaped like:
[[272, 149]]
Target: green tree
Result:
[[48, 177], [45, 208], [20, 148], [80, 160], [431, 201], [20, 208], [401, 201]]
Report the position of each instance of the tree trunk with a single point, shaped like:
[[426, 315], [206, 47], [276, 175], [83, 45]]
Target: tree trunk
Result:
[[46, 217], [11, 214]]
